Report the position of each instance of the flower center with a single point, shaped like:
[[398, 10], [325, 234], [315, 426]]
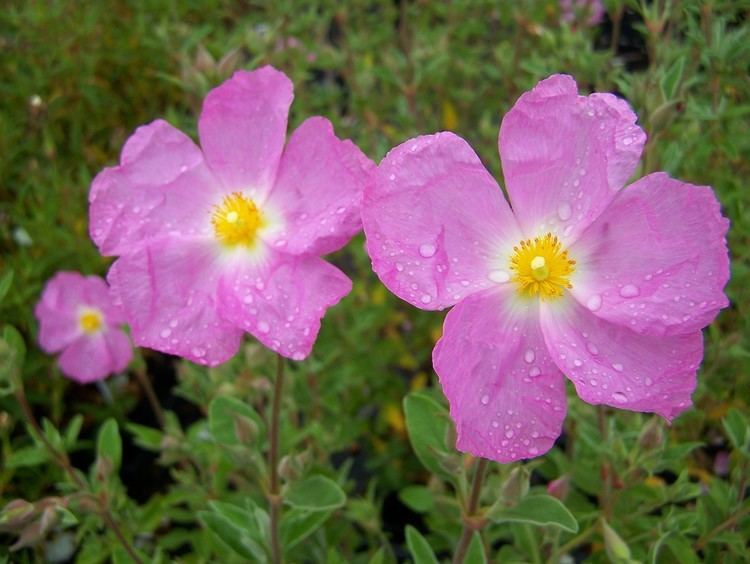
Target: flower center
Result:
[[236, 221], [541, 267], [90, 320]]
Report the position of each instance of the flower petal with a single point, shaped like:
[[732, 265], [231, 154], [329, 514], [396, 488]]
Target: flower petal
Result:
[[242, 128], [437, 226], [610, 364], [319, 190], [161, 185], [506, 395], [282, 302], [656, 260], [565, 156], [168, 293], [91, 358]]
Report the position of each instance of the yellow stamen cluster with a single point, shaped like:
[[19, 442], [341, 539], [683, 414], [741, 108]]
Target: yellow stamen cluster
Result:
[[90, 320], [237, 220], [541, 267]]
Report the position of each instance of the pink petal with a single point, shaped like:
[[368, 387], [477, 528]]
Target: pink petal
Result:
[[437, 226], [565, 156], [168, 293], [91, 358], [506, 395], [656, 260], [59, 308], [161, 186], [243, 127], [610, 364], [319, 190], [281, 303]]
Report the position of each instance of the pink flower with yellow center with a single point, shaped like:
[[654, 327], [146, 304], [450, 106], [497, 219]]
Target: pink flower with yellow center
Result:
[[225, 239], [607, 285], [77, 317]]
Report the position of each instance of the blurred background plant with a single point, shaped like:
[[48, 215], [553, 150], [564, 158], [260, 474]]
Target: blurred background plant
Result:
[[77, 77]]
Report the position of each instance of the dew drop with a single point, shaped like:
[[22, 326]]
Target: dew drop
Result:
[[592, 348], [617, 366], [564, 211], [485, 399], [509, 433], [427, 250], [499, 276], [165, 333], [594, 302], [426, 298], [198, 352], [534, 372], [529, 356], [619, 397], [248, 299], [263, 327], [629, 291]]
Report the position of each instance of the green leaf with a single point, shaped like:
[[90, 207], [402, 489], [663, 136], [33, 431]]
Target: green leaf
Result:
[[27, 456], [616, 548], [12, 354], [5, 282], [428, 424], [223, 412], [108, 443], [378, 557], [297, 524], [420, 549], [737, 429], [145, 437], [316, 493], [475, 554], [417, 498], [670, 82], [537, 509], [234, 537], [72, 431]]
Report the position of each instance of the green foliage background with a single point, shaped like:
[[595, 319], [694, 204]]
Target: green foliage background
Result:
[[77, 77]]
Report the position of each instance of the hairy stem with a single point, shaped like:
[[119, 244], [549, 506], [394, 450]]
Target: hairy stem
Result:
[[153, 400], [274, 499], [471, 524]]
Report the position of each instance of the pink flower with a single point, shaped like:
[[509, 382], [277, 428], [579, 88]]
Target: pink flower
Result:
[[227, 238], [610, 287], [589, 12], [77, 317]]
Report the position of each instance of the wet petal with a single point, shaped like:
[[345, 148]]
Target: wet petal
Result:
[[319, 190], [656, 260], [437, 226], [243, 127], [282, 302], [168, 293], [161, 186], [610, 364], [506, 395], [565, 156], [91, 358]]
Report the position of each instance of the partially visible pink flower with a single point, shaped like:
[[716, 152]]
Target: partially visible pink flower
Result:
[[77, 317], [226, 239], [588, 12], [608, 286]]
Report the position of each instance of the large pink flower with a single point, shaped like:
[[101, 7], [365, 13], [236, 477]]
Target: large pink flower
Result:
[[608, 286], [77, 317], [227, 238]]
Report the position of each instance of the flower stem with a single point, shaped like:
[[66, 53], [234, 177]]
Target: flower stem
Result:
[[60, 458], [274, 499], [471, 523], [153, 400]]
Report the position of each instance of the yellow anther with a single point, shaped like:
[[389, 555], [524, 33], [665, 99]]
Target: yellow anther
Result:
[[237, 220], [541, 267], [90, 320]]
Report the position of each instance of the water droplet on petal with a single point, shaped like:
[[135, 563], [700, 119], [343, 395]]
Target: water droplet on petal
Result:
[[263, 327], [509, 433], [617, 366], [426, 298], [619, 397], [594, 302], [485, 399], [629, 291], [427, 250], [165, 333], [529, 356], [564, 211], [499, 276], [592, 348]]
